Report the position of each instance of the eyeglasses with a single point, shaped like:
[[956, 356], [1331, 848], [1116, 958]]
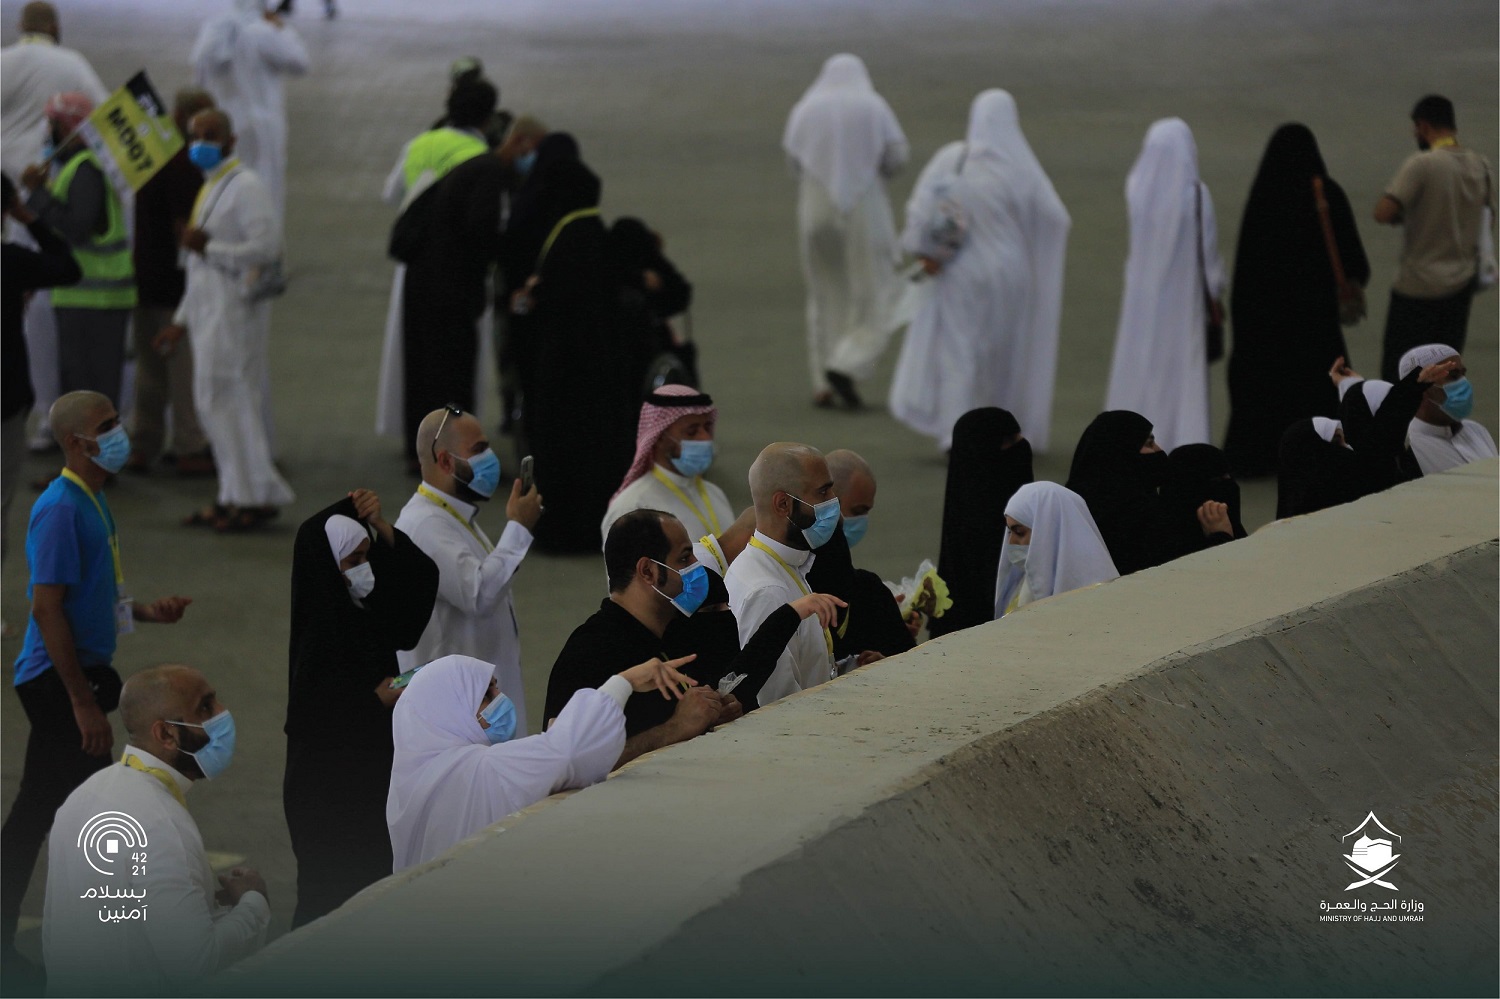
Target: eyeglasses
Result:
[[448, 410]]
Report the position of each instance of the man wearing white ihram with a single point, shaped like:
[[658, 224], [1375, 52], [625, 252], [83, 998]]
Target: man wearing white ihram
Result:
[[841, 139], [1160, 367], [985, 332], [232, 233]]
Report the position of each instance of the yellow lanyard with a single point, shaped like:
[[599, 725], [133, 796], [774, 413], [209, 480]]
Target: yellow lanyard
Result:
[[707, 541], [756, 542], [434, 497], [709, 522], [159, 774], [109, 525], [209, 183], [1444, 142], [562, 224]]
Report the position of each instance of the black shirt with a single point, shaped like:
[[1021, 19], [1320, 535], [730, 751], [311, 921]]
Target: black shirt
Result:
[[48, 266]]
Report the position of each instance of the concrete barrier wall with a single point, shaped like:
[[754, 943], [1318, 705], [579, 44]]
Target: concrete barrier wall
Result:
[[1136, 788]]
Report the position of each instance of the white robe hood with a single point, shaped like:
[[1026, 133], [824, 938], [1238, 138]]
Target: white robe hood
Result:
[[840, 130]]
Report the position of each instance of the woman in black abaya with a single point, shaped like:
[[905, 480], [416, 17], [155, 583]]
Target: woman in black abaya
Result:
[[988, 462], [1284, 306], [338, 720]]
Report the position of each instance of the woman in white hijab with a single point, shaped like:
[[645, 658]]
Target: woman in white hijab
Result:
[[1160, 367], [841, 139], [985, 333], [1051, 546], [456, 769]]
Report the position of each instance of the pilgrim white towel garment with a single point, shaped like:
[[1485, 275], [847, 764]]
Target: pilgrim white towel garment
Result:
[[474, 614], [1067, 551], [1160, 366], [185, 935], [448, 782], [32, 70], [985, 330], [650, 493], [758, 587], [841, 139], [1438, 449], [240, 59], [231, 335]]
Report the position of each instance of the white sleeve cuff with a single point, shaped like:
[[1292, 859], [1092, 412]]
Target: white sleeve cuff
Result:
[[256, 904], [618, 688]]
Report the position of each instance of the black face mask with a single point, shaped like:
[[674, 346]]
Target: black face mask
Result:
[[1154, 468]]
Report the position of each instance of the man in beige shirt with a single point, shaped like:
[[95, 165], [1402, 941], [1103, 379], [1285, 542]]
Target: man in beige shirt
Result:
[[1438, 196]]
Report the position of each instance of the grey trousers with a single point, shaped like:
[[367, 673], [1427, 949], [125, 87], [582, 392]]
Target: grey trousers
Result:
[[91, 350], [161, 382], [12, 461]]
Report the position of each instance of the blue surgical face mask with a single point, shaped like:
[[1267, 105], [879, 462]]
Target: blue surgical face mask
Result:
[[206, 156], [485, 467], [1460, 399], [114, 449], [825, 521], [525, 162], [213, 759], [500, 718], [694, 588], [694, 458], [855, 528], [48, 149]]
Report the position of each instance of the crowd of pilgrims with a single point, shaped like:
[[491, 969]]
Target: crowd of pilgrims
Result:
[[406, 722]]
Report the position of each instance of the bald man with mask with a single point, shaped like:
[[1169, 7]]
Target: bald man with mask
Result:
[[167, 923], [474, 614], [79, 607], [796, 513]]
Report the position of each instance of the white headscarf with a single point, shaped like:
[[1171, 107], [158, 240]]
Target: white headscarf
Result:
[[448, 782], [1326, 428], [1421, 357], [995, 134], [344, 535], [1067, 552], [840, 130]]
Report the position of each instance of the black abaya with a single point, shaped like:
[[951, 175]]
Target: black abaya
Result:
[[1380, 435], [1120, 486], [338, 730], [1284, 301], [983, 474], [1199, 473], [1315, 474]]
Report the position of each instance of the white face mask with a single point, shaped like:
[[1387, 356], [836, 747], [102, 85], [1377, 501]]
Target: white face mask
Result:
[[361, 580], [1017, 554]]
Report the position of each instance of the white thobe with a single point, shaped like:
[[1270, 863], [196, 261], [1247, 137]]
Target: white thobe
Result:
[[1160, 366], [241, 59], [1438, 449], [231, 334], [448, 783], [31, 71], [174, 933], [474, 614], [701, 506], [986, 326], [758, 586]]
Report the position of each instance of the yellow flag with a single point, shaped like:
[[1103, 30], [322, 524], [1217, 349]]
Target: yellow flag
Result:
[[132, 134]]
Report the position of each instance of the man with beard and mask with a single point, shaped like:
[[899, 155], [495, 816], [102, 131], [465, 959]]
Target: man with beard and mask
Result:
[[361, 591], [63, 676], [474, 614], [1442, 435], [873, 620], [1118, 469], [1439, 198], [81, 204], [796, 512], [180, 924], [990, 460], [657, 589]]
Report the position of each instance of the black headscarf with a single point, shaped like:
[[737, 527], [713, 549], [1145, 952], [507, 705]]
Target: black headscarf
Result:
[[1316, 474], [1198, 473], [1380, 435], [339, 651], [1120, 485], [983, 475]]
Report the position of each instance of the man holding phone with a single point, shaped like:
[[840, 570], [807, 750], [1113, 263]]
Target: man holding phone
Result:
[[474, 615]]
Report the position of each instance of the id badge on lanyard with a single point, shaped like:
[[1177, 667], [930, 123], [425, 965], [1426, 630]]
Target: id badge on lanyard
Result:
[[125, 615]]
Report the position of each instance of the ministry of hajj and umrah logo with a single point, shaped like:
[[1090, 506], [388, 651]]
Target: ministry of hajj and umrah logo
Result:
[[1371, 852]]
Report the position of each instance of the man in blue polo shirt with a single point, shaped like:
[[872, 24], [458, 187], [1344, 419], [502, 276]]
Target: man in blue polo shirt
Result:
[[78, 607]]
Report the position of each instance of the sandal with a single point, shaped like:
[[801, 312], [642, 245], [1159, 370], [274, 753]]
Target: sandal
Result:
[[210, 517], [240, 520]]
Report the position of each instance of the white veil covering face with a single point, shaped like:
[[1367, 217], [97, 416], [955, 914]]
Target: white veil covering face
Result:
[[448, 782], [1067, 552], [1160, 366], [842, 132], [986, 332]]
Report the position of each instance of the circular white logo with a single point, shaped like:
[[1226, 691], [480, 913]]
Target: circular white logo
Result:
[[108, 838]]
